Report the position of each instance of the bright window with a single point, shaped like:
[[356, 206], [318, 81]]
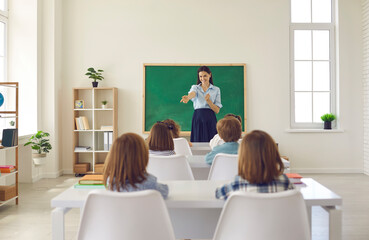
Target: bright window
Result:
[[312, 62]]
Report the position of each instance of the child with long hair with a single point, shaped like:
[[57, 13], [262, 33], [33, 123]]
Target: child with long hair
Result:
[[260, 168], [229, 129], [125, 166], [160, 140]]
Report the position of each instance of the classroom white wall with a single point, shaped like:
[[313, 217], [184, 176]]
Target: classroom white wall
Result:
[[119, 36]]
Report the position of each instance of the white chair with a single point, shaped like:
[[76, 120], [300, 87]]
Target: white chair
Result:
[[181, 146], [174, 167], [138, 215], [264, 216], [224, 167]]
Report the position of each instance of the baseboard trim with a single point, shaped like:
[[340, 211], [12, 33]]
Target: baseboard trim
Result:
[[327, 170]]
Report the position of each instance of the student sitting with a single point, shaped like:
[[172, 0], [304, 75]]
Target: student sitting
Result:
[[260, 168], [160, 140], [174, 129], [125, 166], [229, 130], [217, 140]]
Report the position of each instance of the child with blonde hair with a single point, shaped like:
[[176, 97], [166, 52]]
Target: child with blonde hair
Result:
[[125, 166], [260, 168]]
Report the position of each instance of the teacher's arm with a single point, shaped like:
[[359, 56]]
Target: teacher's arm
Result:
[[213, 107], [188, 97]]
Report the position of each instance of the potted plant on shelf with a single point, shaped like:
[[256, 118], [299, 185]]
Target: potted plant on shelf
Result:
[[40, 143], [95, 75], [327, 119], [104, 104]]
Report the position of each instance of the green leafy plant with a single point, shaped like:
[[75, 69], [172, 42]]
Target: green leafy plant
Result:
[[104, 102], [12, 123], [95, 75], [39, 142], [328, 117]]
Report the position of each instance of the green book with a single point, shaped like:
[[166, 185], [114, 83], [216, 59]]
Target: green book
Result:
[[89, 186]]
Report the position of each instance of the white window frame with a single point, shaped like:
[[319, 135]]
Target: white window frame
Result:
[[332, 60]]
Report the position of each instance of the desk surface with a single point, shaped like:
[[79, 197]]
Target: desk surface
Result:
[[201, 194]]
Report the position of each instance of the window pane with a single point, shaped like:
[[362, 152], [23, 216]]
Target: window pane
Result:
[[322, 11], [321, 102], [303, 76], [2, 39], [302, 47], [300, 11], [2, 5], [321, 76], [303, 107], [321, 45]]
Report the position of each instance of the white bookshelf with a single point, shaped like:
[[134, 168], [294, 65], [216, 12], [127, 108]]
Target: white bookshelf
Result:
[[97, 117]]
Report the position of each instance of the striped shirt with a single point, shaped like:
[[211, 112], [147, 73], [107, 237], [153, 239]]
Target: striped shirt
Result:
[[279, 184]]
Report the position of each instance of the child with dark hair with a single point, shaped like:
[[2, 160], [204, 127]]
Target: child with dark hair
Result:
[[160, 140]]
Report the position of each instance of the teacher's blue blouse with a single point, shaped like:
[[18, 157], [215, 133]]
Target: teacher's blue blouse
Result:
[[199, 99]]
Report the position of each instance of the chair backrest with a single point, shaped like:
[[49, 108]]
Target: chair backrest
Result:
[[174, 167], [138, 215], [264, 216], [224, 167], [181, 146]]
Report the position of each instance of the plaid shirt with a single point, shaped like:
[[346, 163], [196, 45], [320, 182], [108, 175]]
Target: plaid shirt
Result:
[[279, 184]]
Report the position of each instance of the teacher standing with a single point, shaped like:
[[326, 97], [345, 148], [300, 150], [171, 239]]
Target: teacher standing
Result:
[[206, 102]]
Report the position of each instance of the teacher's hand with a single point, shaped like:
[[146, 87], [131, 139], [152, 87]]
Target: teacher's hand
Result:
[[185, 99], [207, 98]]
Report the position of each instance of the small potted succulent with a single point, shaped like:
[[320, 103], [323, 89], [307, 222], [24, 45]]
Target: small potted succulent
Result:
[[95, 75], [40, 143], [104, 104], [327, 119]]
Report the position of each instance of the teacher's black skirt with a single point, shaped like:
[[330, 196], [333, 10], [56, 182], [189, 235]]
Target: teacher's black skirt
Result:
[[204, 125]]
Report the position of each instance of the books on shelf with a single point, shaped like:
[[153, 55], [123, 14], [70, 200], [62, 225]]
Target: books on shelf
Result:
[[7, 168], [294, 178], [82, 123], [91, 180], [10, 137], [108, 140]]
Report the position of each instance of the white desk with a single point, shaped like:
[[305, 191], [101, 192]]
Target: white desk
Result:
[[195, 211]]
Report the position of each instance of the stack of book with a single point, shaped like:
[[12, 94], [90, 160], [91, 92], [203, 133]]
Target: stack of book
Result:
[[294, 178], [7, 168], [90, 181], [82, 123]]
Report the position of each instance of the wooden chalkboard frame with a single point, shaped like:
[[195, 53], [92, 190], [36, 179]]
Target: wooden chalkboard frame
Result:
[[187, 133]]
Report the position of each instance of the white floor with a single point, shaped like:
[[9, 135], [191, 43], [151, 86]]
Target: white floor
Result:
[[31, 218]]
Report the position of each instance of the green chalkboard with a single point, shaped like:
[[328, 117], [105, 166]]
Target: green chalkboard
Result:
[[164, 85]]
